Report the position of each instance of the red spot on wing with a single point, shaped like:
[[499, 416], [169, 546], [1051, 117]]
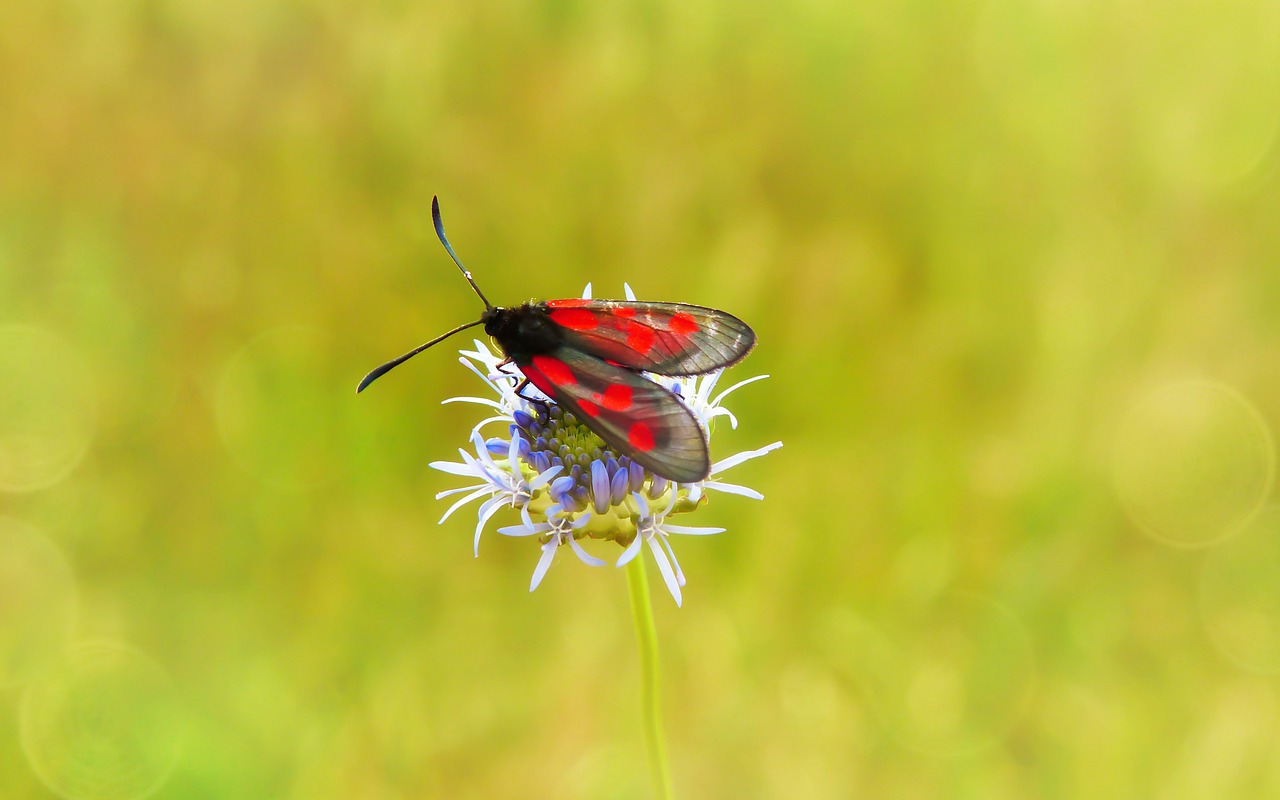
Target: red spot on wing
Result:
[[641, 437], [626, 313], [556, 370], [589, 408], [537, 378], [640, 337], [572, 302], [576, 319], [617, 397], [683, 323]]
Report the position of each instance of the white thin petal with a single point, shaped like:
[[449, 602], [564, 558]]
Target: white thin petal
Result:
[[626, 288], [631, 551], [448, 492], [482, 351], [542, 479], [487, 511], [482, 448], [692, 531], [735, 388], [670, 504], [586, 293], [712, 413], [490, 420], [466, 363], [471, 461], [733, 488], [747, 455], [521, 530], [583, 555], [454, 468], [480, 401], [705, 386], [476, 495], [544, 563], [675, 562], [664, 566], [642, 503]]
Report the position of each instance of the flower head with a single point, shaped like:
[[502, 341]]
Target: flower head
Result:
[[568, 485]]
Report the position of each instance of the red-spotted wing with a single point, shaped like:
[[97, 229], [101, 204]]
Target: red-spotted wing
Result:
[[633, 415], [663, 338]]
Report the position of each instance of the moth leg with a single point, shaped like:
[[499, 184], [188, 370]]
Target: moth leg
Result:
[[537, 401]]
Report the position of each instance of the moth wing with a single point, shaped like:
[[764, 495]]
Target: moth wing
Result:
[[633, 415], [663, 338]]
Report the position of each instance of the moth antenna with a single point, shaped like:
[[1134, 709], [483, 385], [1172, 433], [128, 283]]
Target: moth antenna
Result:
[[466, 273], [378, 372]]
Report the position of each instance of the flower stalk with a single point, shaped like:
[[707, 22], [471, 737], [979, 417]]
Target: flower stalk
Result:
[[569, 487], [655, 744]]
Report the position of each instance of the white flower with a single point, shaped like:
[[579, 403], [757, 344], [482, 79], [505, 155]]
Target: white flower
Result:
[[504, 482], [567, 484]]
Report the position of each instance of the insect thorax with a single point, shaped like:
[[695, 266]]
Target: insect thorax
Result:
[[522, 331]]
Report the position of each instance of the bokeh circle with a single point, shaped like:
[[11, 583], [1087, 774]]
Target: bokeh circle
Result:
[[1193, 463], [105, 724], [1240, 595], [37, 602], [46, 408]]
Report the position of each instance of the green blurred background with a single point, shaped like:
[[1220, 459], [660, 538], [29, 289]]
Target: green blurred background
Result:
[[1013, 268]]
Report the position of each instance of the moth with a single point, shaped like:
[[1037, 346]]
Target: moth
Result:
[[588, 356]]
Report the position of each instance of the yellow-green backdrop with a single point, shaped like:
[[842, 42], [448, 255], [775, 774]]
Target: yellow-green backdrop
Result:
[[1013, 267]]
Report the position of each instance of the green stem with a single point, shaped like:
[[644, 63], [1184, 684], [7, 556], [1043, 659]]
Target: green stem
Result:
[[642, 614]]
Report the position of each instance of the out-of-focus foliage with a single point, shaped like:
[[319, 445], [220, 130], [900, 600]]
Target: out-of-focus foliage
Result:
[[1013, 265]]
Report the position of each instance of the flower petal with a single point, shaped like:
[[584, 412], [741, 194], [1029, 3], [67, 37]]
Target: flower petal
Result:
[[666, 545], [632, 550], [544, 563], [482, 377], [487, 511], [476, 495], [490, 421], [521, 530], [642, 503], [449, 492], [746, 455], [600, 487], [480, 401], [545, 476], [618, 487], [735, 388], [732, 488], [561, 485], [686, 530], [664, 566], [454, 468], [583, 555]]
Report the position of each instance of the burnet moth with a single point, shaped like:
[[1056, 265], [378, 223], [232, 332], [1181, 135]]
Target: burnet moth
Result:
[[588, 355]]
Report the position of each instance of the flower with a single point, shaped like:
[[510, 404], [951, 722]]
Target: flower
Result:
[[568, 485]]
